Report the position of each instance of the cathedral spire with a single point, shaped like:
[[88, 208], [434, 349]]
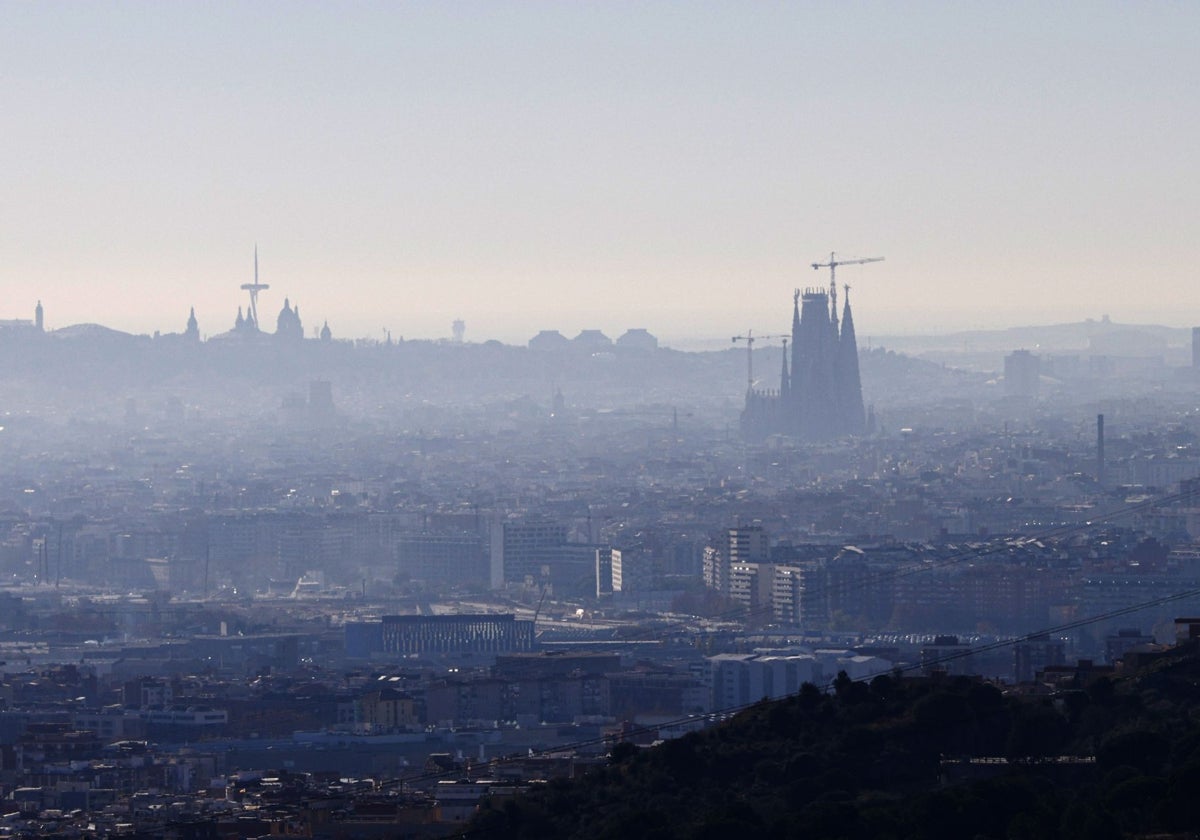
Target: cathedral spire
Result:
[[833, 316], [820, 386], [850, 402], [792, 390], [785, 383]]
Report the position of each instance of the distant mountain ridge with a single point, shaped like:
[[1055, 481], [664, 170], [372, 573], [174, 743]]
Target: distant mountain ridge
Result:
[[1074, 336]]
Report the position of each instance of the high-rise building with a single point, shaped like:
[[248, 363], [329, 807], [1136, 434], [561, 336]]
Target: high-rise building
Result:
[[1034, 654], [714, 568], [1022, 374], [742, 545], [320, 402], [604, 570], [747, 544], [530, 548], [820, 397], [797, 596], [442, 558], [750, 586]]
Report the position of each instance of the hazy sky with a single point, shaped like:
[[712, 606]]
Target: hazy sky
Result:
[[675, 166]]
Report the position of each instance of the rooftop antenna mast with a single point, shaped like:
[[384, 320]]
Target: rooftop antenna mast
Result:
[[254, 288]]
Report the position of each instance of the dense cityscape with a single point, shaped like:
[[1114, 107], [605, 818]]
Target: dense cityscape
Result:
[[599, 421], [259, 583]]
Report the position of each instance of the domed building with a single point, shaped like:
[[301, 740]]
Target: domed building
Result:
[[287, 325], [637, 338]]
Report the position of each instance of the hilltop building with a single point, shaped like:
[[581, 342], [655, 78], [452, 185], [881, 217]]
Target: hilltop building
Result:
[[287, 325], [289, 329], [593, 340], [192, 332], [244, 326], [637, 338], [549, 340], [24, 324], [820, 397]]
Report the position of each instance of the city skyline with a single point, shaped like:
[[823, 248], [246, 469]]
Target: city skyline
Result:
[[403, 435], [586, 166], [612, 326]]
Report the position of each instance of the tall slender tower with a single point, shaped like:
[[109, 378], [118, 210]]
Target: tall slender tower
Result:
[[852, 418], [820, 397], [192, 333], [791, 407], [254, 288], [785, 379], [814, 354], [833, 316]]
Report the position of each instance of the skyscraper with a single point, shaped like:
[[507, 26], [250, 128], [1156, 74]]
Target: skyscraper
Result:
[[820, 398]]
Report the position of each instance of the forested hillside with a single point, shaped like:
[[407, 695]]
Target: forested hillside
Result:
[[1119, 757]]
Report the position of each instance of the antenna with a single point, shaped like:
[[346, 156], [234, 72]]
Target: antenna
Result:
[[254, 288]]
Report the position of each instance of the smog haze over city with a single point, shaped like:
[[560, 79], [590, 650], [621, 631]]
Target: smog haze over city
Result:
[[599, 420], [524, 166]]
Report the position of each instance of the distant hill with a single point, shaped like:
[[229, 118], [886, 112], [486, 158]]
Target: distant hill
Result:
[[87, 365], [91, 332], [986, 348], [902, 758], [890, 379]]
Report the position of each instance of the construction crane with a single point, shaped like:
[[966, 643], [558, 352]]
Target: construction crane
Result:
[[541, 601], [834, 262], [750, 338]]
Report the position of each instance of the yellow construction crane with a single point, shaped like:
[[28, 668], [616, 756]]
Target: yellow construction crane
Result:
[[750, 338]]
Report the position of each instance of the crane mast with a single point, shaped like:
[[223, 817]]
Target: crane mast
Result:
[[750, 338]]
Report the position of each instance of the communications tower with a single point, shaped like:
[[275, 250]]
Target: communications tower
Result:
[[254, 288]]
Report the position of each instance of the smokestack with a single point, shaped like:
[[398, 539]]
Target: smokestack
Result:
[[1100, 449]]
